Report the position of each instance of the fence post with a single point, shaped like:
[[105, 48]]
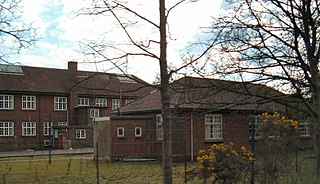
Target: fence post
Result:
[[97, 161]]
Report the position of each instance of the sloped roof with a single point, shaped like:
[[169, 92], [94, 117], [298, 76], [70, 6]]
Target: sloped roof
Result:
[[199, 93], [62, 81]]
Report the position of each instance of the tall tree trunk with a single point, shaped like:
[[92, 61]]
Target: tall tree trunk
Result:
[[165, 98]]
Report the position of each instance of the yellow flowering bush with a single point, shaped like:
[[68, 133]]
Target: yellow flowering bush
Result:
[[222, 163]]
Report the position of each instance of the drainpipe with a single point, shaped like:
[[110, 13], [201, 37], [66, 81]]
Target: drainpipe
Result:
[[191, 136]]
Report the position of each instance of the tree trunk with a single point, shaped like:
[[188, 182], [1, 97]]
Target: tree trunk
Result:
[[165, 98]]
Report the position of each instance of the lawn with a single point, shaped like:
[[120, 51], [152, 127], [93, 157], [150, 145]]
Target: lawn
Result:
[[82, 169]]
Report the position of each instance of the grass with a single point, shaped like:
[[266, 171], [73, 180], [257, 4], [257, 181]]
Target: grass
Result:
[[82, 169]]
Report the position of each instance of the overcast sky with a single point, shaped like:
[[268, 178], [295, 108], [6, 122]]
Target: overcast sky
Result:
[[60, 32]]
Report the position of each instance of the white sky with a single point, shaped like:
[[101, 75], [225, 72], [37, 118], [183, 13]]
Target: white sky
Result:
[[60, 32]]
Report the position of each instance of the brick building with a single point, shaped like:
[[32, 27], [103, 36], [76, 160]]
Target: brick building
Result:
[[44, 106], [203, 112]]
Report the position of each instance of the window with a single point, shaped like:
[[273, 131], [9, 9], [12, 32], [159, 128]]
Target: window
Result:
[[159, 127], [80, 134], [305, 129], [6, 129], [94, 113], [28, 102], [254, 122], [6, 101], [120, 132], [101, 102], [138, 131], [213, 127], [129, 101], [63, 123], [28, 128], [60, 103], [83, 101], [47, 128], [115, 104]]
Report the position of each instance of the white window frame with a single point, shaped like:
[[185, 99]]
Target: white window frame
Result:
[[29, 128], [94, 113], [159, 127], [213, 127], [81, 133], [47, 128], [138, 132], [62, 123], [6, 101], [83, 101], [101, 102], [304, 128], [115, 104], [6, 129], [256, 120], [120, 132], [60, 103], [29, 102]]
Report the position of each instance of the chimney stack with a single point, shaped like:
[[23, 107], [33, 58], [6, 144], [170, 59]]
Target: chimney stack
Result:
[[73, 67]]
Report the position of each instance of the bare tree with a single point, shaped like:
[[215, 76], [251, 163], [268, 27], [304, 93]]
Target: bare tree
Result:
[[14, 33], [275, 42], [127, 18]]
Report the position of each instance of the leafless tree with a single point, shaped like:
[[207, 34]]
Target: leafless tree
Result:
[[14, 33], [275, 42], [128, 18]]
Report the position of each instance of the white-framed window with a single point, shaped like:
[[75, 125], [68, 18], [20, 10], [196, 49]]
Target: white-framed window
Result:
[[138, 132], [254, 122], [120, 132], [60, 103], [6, 129], [28, 128], [28, 102], [94, 113], [304, 129], [81, 134], [83, 101], [6, 101], [62, 123], [213, 127], [47, 128], [159, 127], [115, 104], [101, 102]]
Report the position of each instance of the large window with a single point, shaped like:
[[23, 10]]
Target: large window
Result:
[[60, 103], [305, 129], [159, 127], [47, 128], [6, 129], [213, 127], [80, 134], [28, 128], [115, 104], [101, 102], [83, 101], [28, 102], [94, 113], [254, 122], [6, 102]]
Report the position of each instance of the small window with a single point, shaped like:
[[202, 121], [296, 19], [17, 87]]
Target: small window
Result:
[[6, 102], [120, 132], [80, 134], [115, 104], [159, 127], [101, 102], [138, 132], [29, 102], [254, 122], [94, 113], [213, 127], [305, 129], [129, 101], [60, 103], [83, 101], [47, 128], [62, 123]]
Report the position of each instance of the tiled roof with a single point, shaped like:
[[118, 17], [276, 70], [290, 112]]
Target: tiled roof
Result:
[[61, 81], [198, 93]]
